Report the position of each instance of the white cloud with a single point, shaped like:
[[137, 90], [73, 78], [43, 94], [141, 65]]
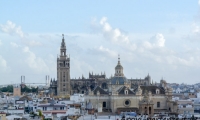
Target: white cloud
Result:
[[196, 29], [34, 43], [34, 62], [14, 44], [156, 41], [12, 29], [3, 64], [160, 40], [194, 34], [199, 2], [113, 34], [107, 51]]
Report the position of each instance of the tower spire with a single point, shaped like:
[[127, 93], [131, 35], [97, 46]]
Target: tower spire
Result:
[[119, 68], [118, 59], [63, 41]]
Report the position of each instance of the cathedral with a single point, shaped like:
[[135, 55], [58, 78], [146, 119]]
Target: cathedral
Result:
[[114, 94]]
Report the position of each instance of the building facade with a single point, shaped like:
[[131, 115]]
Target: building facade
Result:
[[114, 94]]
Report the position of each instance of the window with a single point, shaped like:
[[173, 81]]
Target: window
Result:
[[149, 110], [158, 104], [126, 92], [44, 108], [104, 104], [127, 103], [157, 91], [117, 82]]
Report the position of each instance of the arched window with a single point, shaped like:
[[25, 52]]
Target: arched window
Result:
[[157, 91], [126, 92]]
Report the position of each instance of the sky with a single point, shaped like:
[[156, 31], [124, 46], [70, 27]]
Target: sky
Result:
[[159, 38]]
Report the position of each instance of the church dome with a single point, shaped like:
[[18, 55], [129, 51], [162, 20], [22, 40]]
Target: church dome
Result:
[[119, 66], [121, 80]]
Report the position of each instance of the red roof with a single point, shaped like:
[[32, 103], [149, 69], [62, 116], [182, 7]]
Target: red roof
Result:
[[55, 111]]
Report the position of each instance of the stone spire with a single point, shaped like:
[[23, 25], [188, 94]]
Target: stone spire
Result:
[[63, 41], [63, 47]]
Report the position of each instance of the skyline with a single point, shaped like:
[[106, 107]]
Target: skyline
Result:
[[161, 38]]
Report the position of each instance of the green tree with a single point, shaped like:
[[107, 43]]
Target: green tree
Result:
[[9, 88]]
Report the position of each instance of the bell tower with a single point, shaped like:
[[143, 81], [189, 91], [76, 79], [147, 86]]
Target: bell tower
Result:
[[63, 71]]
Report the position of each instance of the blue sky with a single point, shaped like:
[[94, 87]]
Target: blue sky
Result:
[[161, 38]]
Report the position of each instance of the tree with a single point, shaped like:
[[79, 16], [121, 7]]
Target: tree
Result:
[[41, 116], [9, 88]]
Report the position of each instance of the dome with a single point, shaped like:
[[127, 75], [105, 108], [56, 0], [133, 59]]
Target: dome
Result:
[[119, 66], [118, 80]]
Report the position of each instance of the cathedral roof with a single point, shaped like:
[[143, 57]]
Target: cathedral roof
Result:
[[122, 90], [152, 88], [101, 91], [118, 80]]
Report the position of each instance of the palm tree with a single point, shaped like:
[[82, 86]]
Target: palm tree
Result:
[[41, 116]]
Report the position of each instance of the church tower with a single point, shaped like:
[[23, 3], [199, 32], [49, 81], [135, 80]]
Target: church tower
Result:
[[119, 69], [63, 71]]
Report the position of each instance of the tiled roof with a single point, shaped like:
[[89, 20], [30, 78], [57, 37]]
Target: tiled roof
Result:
[[52, 105], [152, 88], [25, 98], [122, 89], [101, 91]]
